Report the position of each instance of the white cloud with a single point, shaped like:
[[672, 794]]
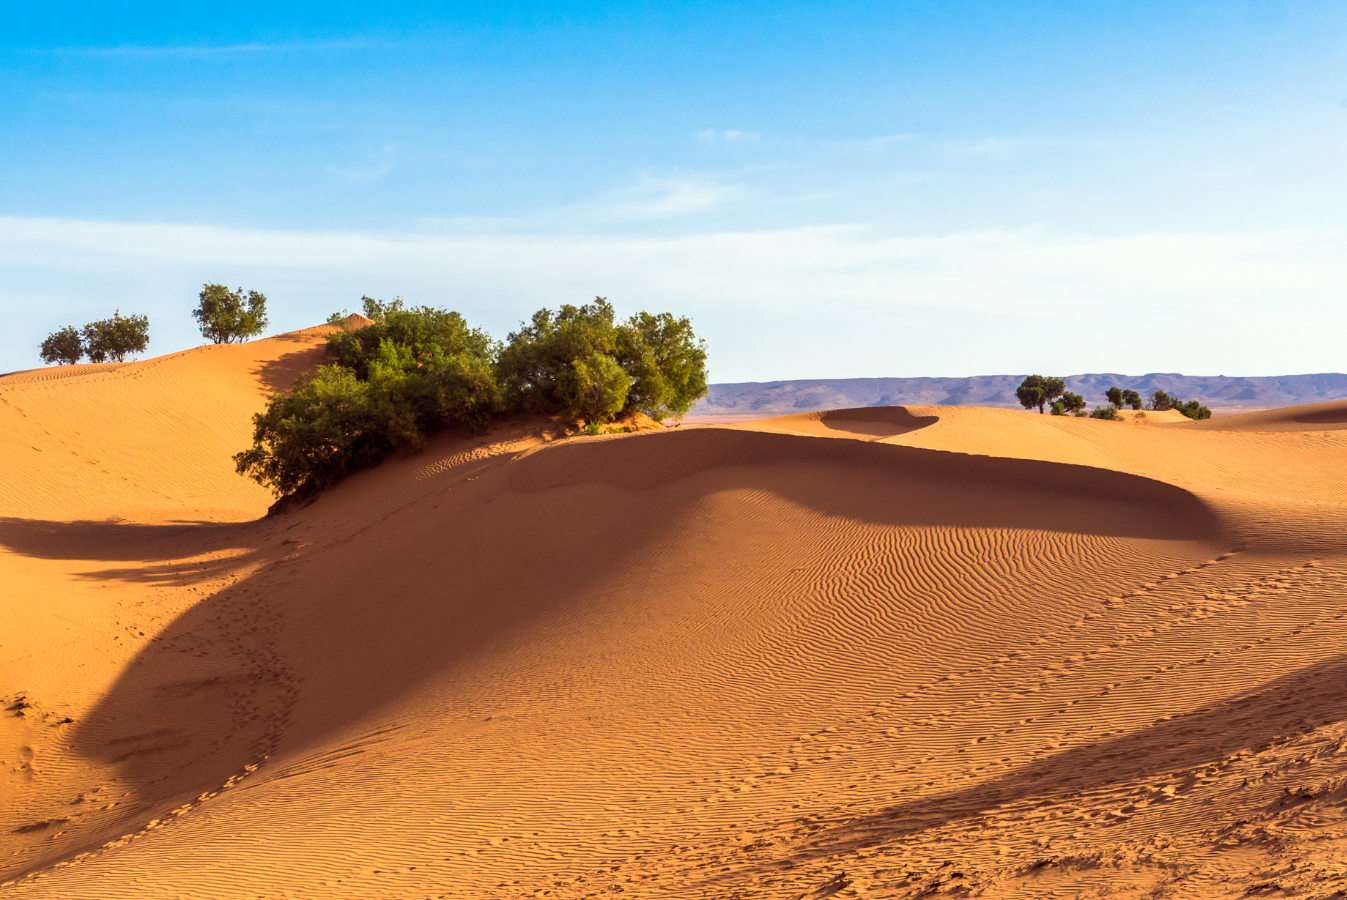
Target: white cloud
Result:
[[819, 301]]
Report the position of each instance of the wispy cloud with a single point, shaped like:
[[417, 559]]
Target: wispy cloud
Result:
[[729, 137], [874, 143], [985, 148], [662, 198], [140, 50], [380, 165]]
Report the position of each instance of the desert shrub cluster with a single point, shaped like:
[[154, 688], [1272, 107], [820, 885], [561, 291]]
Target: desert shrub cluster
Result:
[[225, 316], [417, 370], [1192, 409], [1046, 392], [106, 340]]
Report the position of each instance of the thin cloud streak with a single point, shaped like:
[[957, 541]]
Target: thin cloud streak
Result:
[[187, 50]]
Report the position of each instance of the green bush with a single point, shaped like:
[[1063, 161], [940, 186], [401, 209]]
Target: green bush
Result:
[[1105, 412], [65, 347], [417, 370], [418, 333], [665, 362], [1161, 401], [1192, 409], [1039, 391], [594, 388], [225, 317], [116, 338], [1119, 398]]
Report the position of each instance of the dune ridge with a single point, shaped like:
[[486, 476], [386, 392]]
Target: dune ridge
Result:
[[883, 652]]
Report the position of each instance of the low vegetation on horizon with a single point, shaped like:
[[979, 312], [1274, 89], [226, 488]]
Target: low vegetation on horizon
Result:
[[106, 340], [223, 315], [415, 371], [1045, 392]]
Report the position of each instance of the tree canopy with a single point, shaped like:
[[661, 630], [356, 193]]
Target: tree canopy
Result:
[[227, 316], [1069, 404], [1039, 391], [116, 338], [107, 339], [1119, 397], [65, 347]]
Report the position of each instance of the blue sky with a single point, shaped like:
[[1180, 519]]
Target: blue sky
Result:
[[829, 190]]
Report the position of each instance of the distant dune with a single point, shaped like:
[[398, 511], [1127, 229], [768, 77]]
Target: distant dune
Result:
[[775, 398], [894, 652]]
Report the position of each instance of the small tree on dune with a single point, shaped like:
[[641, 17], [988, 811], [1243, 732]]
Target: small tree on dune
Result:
[[64, 347], [1118, 398], [116, 338], [1039, 391], [1070, 403], [226, 318]]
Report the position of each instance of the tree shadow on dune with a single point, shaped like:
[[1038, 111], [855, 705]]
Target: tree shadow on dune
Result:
[[399, 589], [278, 375], [167, 553]]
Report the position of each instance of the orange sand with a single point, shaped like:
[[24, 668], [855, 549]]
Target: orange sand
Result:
[[884, 653]]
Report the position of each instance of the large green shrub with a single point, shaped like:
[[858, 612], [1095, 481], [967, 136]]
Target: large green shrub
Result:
[[418, 333], [664, 360], [595, 388], [415, 371], [536, 361]]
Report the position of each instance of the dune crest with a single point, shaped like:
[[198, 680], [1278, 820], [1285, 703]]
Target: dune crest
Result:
[[882, 652]]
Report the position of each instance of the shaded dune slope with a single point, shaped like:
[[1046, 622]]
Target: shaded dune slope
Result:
[[937, 652]]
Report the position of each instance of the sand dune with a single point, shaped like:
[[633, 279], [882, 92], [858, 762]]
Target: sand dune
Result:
[[889, 652]]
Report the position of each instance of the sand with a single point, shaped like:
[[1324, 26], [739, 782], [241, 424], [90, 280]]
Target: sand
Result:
[[889, 652]]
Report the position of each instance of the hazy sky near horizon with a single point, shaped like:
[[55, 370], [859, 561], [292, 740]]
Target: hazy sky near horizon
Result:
[[829, 190]]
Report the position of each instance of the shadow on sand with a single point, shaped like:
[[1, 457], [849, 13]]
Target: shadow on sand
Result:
[[394, 588]]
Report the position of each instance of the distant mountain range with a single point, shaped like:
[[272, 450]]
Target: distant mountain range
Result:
[[1220, 392]]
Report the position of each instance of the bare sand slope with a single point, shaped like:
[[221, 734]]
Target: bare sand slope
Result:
[[886, 653], [141, 440]]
